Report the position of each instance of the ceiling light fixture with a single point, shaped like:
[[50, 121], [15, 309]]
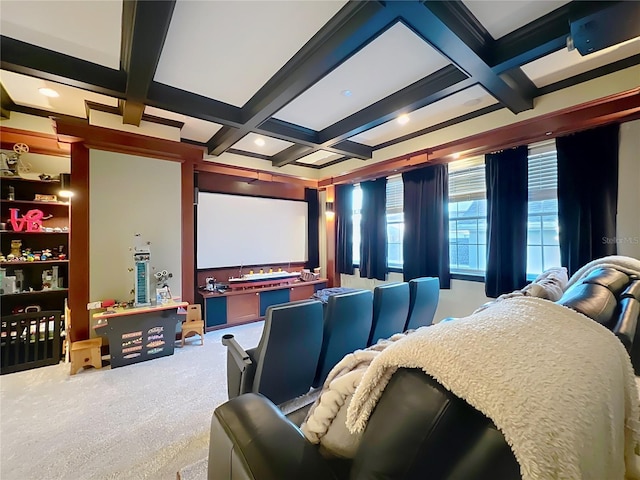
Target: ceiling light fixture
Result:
[[346, 93], [259, 142], [456, 156], [403, 119], [49, 92]]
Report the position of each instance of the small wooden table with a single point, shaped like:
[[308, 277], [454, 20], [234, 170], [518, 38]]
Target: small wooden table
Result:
[[140, 333]]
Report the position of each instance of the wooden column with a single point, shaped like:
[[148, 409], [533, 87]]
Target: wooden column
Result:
[[188, 235], [333, 276], [79, 243]]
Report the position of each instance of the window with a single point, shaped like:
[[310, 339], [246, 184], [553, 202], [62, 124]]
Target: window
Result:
[[467, 216], [395, 221], [543, 246]]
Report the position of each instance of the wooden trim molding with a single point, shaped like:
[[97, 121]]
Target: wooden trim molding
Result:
[[79, 244], [102, 138], [253, 174], [42, 143], [188, 232], [621, 107]]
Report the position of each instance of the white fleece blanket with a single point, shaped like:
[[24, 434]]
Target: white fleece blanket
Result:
[[325, 421], [559, 386]]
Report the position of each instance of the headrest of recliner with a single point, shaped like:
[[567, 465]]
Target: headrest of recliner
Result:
[[613, 279]]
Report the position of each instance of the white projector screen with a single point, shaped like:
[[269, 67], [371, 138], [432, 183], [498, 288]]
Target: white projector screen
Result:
[[236, 230]]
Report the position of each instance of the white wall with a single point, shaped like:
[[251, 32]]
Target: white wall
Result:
[[628, 221], [128, 195]]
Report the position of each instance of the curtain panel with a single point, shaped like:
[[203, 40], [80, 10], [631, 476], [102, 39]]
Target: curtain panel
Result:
[[507, 209], [313, 228], [344, 228], [587, 195], [425, 245], [373, 229]]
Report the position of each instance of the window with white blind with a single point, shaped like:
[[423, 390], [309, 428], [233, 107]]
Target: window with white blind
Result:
[[543, 246], [395, 221], [467, 216]]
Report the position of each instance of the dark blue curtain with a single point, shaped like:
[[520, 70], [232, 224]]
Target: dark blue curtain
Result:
[[313, 230], [507, 202], [425, 246], [373, 229], [344, 228], [587, 195]]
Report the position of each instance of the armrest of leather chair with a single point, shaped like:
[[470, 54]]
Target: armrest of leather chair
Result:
[[252, 439], [239, 366], [629, 307]]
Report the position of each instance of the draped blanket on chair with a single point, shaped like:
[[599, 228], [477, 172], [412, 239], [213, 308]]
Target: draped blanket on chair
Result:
[[559, 386]]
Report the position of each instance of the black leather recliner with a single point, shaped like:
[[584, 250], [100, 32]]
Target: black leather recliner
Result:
[[390, 310], [424, 294], [283, 365], [417, 430]]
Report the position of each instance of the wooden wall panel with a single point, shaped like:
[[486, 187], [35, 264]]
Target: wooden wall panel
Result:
[[215, 182], [188, 232], [79, 244]]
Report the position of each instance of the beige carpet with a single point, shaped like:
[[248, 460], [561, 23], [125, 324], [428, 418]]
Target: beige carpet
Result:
[[143, 421]]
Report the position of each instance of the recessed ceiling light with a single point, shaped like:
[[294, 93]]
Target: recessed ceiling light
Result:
[[49, 92], [403, 119], [456, 156], [346, 93], [259, 141], [548, 133]]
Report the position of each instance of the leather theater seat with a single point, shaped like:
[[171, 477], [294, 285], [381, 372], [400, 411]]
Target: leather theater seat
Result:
[[611, 298], [347, 325], [283, 365], [418, 428], [424, 294], [390, 309]]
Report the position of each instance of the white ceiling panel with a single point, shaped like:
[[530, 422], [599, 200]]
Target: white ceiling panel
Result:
[[461, 103], [228, 49], [87, 30], [565, 64], [194, 128], [271, 145], [394, 60], [23, 90], [500, 17], [319, 158]]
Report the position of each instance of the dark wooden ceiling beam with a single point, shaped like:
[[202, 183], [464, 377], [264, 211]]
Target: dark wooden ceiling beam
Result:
[[27, 59], [145, 24], [193, 105], [424, 21], [291, 154], [305, 136], [353, 27]]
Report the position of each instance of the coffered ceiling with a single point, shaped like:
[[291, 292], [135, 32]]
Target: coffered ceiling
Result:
[[311, 83]]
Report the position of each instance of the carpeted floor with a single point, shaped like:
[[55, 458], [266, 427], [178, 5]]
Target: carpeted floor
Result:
[[143, 421]]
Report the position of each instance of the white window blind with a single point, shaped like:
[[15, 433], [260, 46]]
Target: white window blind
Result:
[[395, 189], [467, 180], [543, 171]]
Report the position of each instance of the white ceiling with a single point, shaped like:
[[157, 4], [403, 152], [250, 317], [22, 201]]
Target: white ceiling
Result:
[[564, 63], [228, 49], [87, 30], [271, 145], [461, 103], [194, 128], [24, 91], [394, 60], [502, 17]]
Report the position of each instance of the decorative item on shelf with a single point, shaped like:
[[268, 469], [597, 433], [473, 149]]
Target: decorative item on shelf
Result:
[[16, 248], [32, 220], [163, 292], [12, 193], [11, 163], [141, 257], [42, 197]]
